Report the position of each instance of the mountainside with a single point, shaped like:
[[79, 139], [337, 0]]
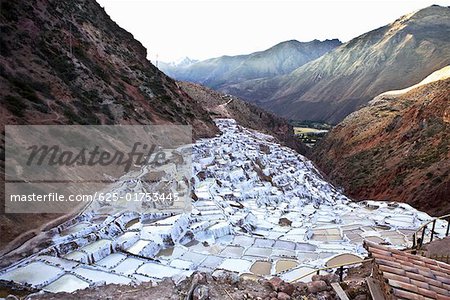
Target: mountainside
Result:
[[283, 58], [65, 62], [396, 148], [338, 83], [225, 106]]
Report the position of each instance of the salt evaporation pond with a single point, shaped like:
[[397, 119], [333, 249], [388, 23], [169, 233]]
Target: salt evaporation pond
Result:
[[260, 209]]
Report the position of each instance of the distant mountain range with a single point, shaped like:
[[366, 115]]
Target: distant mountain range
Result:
[[180, 63], [219, 73], [335, 79], [397, 147]]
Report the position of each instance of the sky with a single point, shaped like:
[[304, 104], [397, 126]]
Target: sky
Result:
[[172, 29]]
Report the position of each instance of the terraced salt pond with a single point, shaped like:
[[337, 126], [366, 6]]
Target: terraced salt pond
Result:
[[260, 209]]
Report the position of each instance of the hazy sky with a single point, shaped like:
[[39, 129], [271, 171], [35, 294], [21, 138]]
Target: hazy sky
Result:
[[210, 28]]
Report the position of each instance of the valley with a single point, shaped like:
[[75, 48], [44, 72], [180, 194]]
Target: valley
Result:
[[309, 170], [259, 209], [309, 136]]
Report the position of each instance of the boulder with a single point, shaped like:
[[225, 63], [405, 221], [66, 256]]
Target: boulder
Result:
[[201, 292], [230, 277], [274, 283], [327, 278], [315, 287], [283, 296], [284, 222], [286, 288], [325, 296]]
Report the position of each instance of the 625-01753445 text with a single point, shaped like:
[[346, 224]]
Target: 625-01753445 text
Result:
[[163, 198]]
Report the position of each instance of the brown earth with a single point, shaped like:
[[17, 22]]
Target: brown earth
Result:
[[396, 148]]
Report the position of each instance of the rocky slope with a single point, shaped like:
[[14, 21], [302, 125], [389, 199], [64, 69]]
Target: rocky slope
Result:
[[391, 57], [395, 148], [226, 285], [220, 105], [66, 62], [283, 58]]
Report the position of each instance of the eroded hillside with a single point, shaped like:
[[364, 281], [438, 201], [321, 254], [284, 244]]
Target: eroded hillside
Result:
[[66, 62], [396, 148], [222, 72]]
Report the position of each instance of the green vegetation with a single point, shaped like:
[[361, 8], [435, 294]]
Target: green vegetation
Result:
[[398, 180], [310, 132], [309, 136], [311, 124], [362, 165], [307, 130]]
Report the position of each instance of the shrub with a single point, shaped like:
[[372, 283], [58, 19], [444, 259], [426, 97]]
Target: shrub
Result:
[[64, 68], [25, 90], [15, 105], [71, 116]]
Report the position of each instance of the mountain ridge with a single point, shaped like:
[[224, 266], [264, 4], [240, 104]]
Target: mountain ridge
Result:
[[396, 55], [282, 58], [339, 82]]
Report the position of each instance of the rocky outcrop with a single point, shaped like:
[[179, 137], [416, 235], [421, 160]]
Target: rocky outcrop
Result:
[[396, 148], [206, 286]]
